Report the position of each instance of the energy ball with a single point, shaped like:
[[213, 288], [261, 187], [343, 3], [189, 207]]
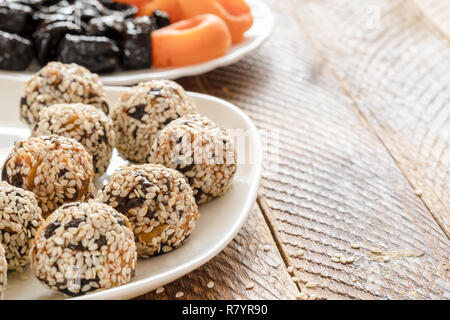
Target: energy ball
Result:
[[55, 168], [158, 202], [61, 83], [3, 271], [203, 152], [20, 217], [84, 123], [144, 110], [83, 247]]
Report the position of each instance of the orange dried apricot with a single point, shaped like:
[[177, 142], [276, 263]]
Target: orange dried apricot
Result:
[[236, 14], [191, 41]]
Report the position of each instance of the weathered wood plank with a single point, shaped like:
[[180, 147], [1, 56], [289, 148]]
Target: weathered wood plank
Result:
[[397, 71], [438, 11], [335, 183], [252, 258]]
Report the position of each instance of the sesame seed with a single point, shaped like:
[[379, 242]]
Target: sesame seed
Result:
[[335, 259], [311, 284], [351, 259], [266, 248], [418, 192], [290, 269], [300, 253], [375, 250], [179, 294], [160, 290], [355, 246], [249, 286], [386, 259], [210, 284]]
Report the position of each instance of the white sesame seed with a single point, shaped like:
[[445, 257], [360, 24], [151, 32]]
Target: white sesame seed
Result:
[[311, 284], [300, 253], [179, 294], [160, 290], [355, 246], [210, 284], [249, 286]]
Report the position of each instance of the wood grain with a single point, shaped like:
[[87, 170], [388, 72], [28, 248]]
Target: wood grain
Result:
[[242, 263], [397, 71], [334, 183], [438, 11]]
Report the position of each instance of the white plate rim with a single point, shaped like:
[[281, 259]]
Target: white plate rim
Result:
[[133, 77]]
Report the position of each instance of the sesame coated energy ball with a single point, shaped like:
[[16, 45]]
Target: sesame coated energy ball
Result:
[[84, 123], [202, 151], [3, 271], [20, 217], [158, 202], [144, 110], [61, 83], [83, 247], [55, 168]]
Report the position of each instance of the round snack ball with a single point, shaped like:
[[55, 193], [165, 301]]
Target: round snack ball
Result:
[[20, 217], [83, 247], [144, 110], [158, 202], [3, 271], [61, 83], [203, 152], [84, 123], [57, 169]]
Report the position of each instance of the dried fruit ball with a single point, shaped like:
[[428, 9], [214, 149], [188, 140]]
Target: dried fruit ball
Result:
[[20, 217], [61, 83], [202, 151], [55, 168], [83, 247], [3, 271], [144, 110], [158, 202], [84, 123]]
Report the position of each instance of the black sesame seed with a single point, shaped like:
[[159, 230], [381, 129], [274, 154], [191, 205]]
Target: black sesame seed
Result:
[[17, 180], [101, 241], [165, 123], [138, 113], [186, 168], [126, 204], [62, 172], [50, 230], [74, 223], [76, 247]]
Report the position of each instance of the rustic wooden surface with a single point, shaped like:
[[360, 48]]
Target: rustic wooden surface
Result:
[[357, 95]]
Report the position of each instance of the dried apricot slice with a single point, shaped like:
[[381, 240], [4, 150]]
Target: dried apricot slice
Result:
[[236, 14], [191, 41], [172, 7]]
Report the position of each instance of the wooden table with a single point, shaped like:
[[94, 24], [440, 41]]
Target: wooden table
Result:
[[358, 92]]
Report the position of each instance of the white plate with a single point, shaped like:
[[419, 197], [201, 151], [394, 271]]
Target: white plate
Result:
[[260, 31], [219, 222]]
